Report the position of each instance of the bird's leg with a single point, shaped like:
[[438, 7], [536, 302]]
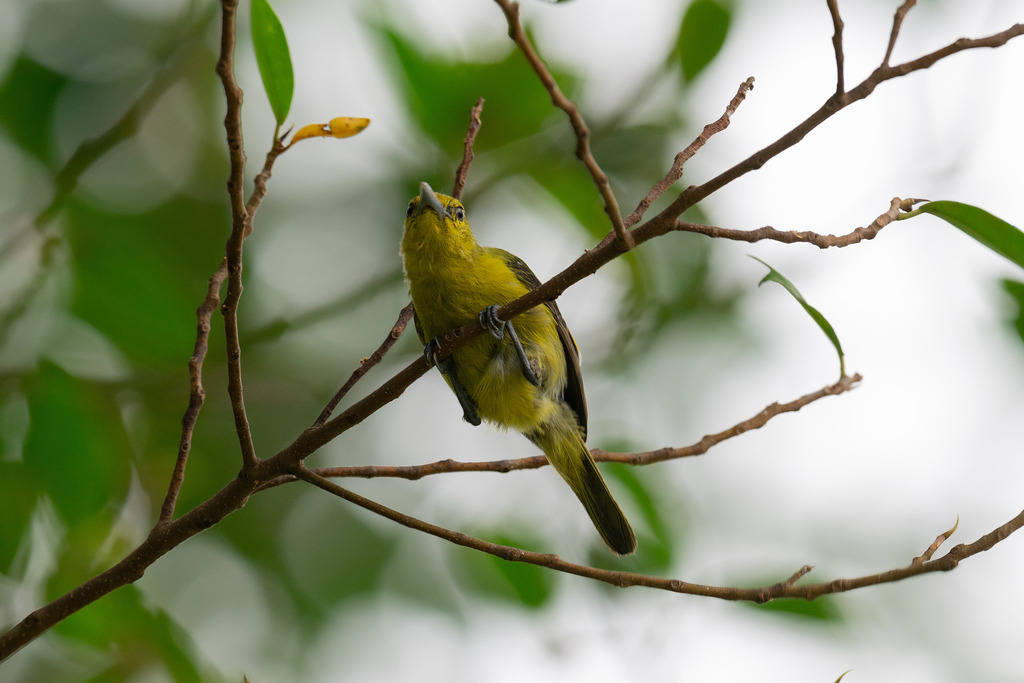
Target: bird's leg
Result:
[[447, 368], [496, 326]]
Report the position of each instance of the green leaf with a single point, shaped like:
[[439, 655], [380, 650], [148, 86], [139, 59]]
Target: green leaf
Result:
[[440, 90], [1016, 291], [28, 97], [273, 58], [123, 621], [77, 448], [495, 578], [775, 276], [995, 233], [139, 278], [701, 35]]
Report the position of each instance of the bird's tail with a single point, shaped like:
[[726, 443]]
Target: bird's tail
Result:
[[565, 449]]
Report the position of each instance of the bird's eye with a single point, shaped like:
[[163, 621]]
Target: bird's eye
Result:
[[459, 213], [412, 205]]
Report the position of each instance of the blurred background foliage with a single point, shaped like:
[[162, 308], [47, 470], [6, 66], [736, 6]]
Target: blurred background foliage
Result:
[[114, 215]]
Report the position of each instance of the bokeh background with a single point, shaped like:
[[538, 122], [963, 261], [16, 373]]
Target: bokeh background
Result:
[[113, 213]]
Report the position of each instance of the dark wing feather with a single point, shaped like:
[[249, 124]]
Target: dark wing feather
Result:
[[573, 394], [419, 327]]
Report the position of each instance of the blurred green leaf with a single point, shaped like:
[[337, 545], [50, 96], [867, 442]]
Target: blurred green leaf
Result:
[[824, 608], [654, 554], [27, 99], [141, 635], [77, 449], [440, 91], [494, 578], [775, 276], [139, 278], [329, 550], [1016, 291], [702, 35], [668, 284], [273, 58], [995, 233], [18, 496]]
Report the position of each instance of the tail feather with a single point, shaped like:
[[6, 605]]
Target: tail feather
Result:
[[611, 523], [568, 454]]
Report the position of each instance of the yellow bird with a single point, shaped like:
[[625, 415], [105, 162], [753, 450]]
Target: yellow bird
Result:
[[524, 376]]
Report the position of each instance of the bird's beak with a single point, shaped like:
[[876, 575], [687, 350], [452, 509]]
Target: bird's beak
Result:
[[429, 200]]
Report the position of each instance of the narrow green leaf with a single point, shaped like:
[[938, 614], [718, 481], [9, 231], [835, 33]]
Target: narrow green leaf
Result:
[[273, 58], [1016, 291], [702, 35], [775, 276], [995, 233]]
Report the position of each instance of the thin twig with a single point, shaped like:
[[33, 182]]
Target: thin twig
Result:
[[447, 466], [803, 236], [241, 226], [260, 182], [236, 492], [939, 540], [467, 148], [197, 395], [694, 194], [367, 363], [611, 206], [783, 589], [897, 22], [837, 44], [676, 172]]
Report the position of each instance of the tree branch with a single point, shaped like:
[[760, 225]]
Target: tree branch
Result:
[[256, 472], [241, 226], [787, 588], [676, 172], [448, 466], [197, 395], [583, 153], [897, 23], [803, 236], [467, 148], [829, 108], [367, 363], [837, 44]]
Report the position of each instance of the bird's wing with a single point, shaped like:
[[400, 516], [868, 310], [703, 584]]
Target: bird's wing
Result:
[[573, 394]]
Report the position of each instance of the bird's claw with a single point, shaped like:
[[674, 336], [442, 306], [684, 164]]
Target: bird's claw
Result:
[[496, 326]]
